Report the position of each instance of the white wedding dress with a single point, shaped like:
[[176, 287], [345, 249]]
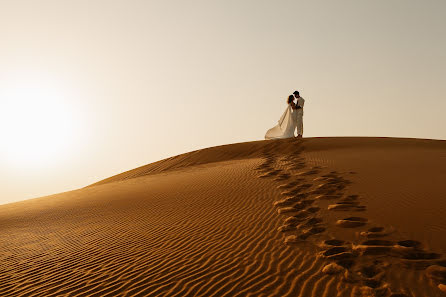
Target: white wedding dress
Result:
[[286, 126]]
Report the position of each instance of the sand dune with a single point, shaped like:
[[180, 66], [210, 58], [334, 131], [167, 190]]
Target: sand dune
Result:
[[315, 217]]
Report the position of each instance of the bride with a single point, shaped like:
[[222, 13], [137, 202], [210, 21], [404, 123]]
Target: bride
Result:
[[287, 123]]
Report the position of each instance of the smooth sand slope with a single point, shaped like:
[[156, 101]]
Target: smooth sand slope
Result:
[[315, 217]]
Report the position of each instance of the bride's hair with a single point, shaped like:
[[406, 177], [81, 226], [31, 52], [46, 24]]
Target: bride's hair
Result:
[[290, 99]]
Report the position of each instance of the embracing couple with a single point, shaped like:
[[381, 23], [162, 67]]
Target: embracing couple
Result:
[[291, 119]]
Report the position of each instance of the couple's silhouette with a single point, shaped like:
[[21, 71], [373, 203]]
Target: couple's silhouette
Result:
[[292, 119]]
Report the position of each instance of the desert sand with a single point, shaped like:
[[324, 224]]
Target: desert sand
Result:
[[314, 217]]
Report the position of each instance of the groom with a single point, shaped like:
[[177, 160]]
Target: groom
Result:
[[299, 106]]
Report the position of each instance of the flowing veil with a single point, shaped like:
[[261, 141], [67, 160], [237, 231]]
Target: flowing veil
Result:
[[286, 126]]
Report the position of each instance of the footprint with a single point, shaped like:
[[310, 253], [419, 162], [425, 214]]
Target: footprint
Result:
[[288, 185], [292, 192], [346, 263], [301, 215], [292, 221], [282, 176], [313, 221], [283, 202], [328, 197], [307, 202], [266, 170], [348, 201], [338, 253], [419, 259], [334, 242], [421, 255], [286, 210], [341, 186], [305, 186], [334, 251], [371, 275], [271, 173], [376, 232], [303, 204], [409, 243], [346, 207], [309, 172], [263, 166], [312, 231], [325, 186], [332, 174], [352, 222], [415, 257], [352, 197], [303, 196], [286, 228], [335, 179], [317, 230], [287, 201], [370, 271], [325, 191], [313, 209]]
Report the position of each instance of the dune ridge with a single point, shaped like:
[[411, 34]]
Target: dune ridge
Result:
[[249, 150], [267, 218]]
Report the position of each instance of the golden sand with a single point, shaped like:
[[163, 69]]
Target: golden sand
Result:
[[314, 217]]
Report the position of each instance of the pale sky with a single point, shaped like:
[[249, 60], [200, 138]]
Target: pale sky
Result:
[[91, 88]]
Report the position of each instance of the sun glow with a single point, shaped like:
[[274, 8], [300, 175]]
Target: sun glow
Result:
[[38, 124]]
